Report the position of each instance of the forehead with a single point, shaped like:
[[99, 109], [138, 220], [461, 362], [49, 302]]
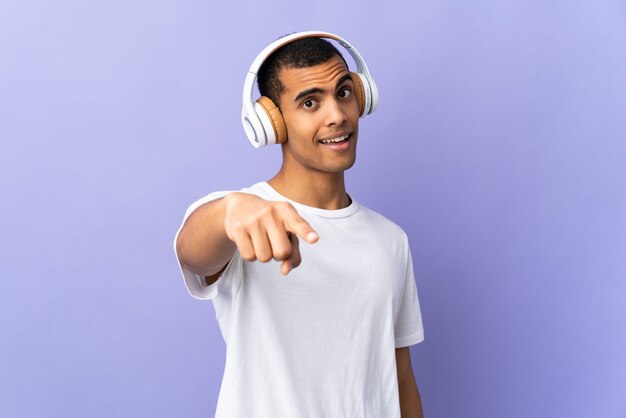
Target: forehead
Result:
[[323, 76]]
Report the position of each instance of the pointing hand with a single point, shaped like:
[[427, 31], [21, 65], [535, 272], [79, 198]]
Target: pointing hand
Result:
[[264, 230]]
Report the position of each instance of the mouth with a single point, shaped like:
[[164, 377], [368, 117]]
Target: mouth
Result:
[[338, 142]]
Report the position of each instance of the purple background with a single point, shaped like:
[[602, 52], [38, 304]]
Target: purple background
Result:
[[499, 145]]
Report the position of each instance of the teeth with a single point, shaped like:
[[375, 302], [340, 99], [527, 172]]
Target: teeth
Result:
[[332, 140]]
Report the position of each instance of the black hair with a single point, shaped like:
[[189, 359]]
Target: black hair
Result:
[[301, 53]]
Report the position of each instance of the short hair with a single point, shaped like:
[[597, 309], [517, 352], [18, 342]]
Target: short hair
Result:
[[301, 53]]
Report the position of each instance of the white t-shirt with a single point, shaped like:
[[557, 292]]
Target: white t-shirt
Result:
[[319, 342]]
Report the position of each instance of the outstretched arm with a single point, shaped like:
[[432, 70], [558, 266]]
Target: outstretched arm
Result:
[[261, 230], [410, 402]]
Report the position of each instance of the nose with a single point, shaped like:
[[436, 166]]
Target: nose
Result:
[[335, 114]]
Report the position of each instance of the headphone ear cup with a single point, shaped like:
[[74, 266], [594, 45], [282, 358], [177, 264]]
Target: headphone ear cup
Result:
[[359, 91], [367, 91], [272, 120]]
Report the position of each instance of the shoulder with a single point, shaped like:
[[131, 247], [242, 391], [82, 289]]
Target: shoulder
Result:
[[382, 225], [255, 189], [260, 189]]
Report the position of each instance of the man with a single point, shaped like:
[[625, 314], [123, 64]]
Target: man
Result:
[[311, 329]]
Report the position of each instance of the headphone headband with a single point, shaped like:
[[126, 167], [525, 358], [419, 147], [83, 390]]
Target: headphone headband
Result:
[[254, 127]]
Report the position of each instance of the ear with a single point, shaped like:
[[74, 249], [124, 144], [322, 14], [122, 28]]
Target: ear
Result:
[[275, 119]]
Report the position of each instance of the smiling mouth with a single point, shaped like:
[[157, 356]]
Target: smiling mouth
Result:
[[336, 140]]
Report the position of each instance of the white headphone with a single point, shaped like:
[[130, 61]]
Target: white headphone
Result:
[[262, 120]]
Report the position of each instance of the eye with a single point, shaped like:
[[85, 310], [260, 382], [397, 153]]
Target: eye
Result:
[[344, 93], [309, 104]]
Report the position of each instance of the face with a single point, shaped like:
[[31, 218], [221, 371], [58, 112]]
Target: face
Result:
[[321, 114]]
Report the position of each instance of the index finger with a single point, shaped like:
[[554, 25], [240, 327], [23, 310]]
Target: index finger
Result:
[[295, 224]]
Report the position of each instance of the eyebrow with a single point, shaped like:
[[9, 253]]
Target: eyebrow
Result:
[[315, 90]]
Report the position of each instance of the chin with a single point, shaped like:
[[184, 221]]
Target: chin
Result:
[[350, 164], [341, 167]]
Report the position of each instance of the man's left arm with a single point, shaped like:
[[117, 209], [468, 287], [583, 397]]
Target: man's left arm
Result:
[[410, 402]]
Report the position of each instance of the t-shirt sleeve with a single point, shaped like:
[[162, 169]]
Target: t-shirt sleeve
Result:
[[196, 284], [408, 325]]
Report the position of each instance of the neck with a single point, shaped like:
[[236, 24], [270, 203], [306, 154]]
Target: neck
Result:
[[320, 190]]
